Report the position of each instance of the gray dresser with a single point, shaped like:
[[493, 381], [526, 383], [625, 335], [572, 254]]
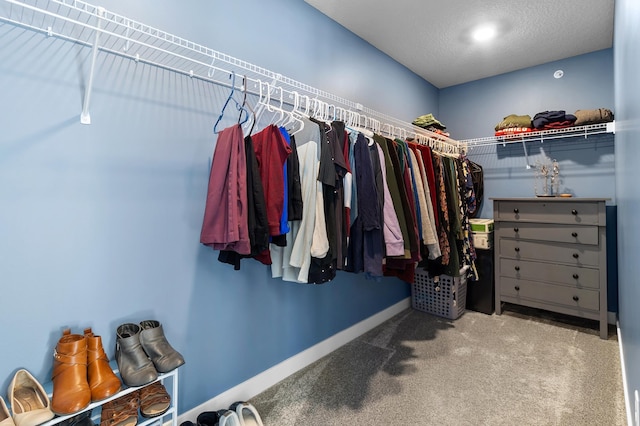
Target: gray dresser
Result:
[[550, 253]]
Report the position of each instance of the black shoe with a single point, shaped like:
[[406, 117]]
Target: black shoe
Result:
[[247, 413], [208, 418], [82, 419]]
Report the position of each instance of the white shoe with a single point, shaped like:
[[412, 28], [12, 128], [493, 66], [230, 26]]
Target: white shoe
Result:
[[29, 402], [228, 418], [5, 417], [247, 414]]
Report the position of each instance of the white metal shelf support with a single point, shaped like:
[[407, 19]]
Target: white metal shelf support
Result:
[[100, 29], [85, 117]]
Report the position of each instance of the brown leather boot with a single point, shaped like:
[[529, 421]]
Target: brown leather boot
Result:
[[71, 392], [102, 380]]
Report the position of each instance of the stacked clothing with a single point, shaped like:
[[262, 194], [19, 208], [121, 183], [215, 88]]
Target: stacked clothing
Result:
[[429, 122], [553, 120], [514, 124], [593, 116]]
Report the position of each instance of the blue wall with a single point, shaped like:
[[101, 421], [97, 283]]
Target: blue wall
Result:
[[100, 224], [587, 166], [627, 91], [472, 110]]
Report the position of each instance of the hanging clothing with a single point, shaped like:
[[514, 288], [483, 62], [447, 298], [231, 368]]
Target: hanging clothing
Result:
[[271, 152], [477, 177], [293, 263], [406, 204], [453, 209], [427, 158], [366, 243], [332, 171], [468, 250], [443, 213], [403, 268], [404, 183], [225, 225], [338, 141], [396, 196], [427, 231], [353, 205], [284, 218], [257, 212], [394, 244], [295, 191]]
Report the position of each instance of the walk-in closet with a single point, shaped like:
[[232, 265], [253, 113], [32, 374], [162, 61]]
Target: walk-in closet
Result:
[[299, 212]]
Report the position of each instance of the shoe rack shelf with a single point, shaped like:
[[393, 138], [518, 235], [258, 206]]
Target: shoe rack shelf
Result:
[[170, 415]]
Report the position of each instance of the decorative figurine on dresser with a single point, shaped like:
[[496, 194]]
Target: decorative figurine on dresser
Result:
[[550, 253]]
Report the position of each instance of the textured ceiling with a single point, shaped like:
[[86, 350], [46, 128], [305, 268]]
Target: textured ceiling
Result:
[[432, 37]]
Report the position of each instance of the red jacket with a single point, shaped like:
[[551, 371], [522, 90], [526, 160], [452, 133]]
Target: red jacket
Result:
[[272, 151]]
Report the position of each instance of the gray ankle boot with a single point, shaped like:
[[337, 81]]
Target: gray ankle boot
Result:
[[136, 369], [155, 344]]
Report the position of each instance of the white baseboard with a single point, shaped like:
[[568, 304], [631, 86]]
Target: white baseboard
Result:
[[625, 386], [275, 374]]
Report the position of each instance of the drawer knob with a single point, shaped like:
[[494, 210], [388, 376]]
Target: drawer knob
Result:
[[574, 234], [517, 268], [517, 249], [517, 288], [574, 212], [516, 229], [576, 255], [576, 298], [576, 276], [516, 211]]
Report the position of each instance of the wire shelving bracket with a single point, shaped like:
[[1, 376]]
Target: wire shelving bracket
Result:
[[543, 135], [105, 31]]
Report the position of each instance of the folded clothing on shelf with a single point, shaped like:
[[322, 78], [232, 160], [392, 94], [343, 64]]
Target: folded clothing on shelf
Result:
[[558, 125], [544, 118], [513, 131], [514, 121], [428, 120], [593, 116]]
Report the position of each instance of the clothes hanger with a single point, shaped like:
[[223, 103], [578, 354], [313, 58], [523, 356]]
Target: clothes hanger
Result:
[[245, 104], [292, 116], [295, 114], [307, 104], [237, 104], [355, 124], [264, 98]]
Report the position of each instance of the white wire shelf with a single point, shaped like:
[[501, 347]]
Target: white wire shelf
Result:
[[543, 135], [95, 27]]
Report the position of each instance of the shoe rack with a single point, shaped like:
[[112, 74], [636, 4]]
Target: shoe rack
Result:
[[169, 380]]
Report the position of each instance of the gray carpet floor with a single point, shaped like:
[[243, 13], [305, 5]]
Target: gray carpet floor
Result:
[[519, 368]]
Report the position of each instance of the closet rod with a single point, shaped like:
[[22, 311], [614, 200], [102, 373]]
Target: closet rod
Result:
[[86, 24]]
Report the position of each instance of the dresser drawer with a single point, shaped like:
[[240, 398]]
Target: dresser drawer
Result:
[[548, 232], [573, 254], [549, 272], [567, 212], [576, 298]]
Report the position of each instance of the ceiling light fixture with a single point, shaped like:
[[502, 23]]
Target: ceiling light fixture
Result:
[[484, 33]]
